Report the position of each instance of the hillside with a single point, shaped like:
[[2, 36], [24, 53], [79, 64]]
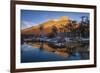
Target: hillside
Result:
[[48, 25]]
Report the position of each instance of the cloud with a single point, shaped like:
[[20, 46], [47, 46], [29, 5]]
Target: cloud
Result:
[[26, 24]]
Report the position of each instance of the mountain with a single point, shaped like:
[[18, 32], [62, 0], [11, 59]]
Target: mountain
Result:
[[48, 25]]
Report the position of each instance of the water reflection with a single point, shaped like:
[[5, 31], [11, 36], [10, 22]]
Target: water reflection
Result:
[[34, 54]]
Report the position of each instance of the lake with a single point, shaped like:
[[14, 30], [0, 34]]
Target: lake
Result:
[[33, 54]]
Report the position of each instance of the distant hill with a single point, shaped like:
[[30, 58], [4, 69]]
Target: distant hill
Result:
[[48, 25]]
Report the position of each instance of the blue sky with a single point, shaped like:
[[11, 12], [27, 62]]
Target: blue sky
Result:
[[33, 17]]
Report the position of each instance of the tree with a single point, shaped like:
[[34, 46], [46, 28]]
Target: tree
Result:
[[41, 27], [69, 27], [84, 30], [74, 22], [41, 35], [54, 30], [82, 18], [41, 30], [87, 20], [74, 28]]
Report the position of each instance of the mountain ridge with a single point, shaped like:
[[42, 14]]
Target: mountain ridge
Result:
[[47, 26]]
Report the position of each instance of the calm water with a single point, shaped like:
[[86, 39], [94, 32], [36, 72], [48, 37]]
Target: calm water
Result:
[[30, 54]]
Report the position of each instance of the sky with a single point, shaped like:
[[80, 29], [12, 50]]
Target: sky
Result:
[[35, 17]]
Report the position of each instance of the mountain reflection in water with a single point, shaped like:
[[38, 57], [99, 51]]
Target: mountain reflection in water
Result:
[[33, 54]]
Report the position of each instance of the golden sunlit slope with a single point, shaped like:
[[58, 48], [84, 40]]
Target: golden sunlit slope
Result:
[[47, 26]]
